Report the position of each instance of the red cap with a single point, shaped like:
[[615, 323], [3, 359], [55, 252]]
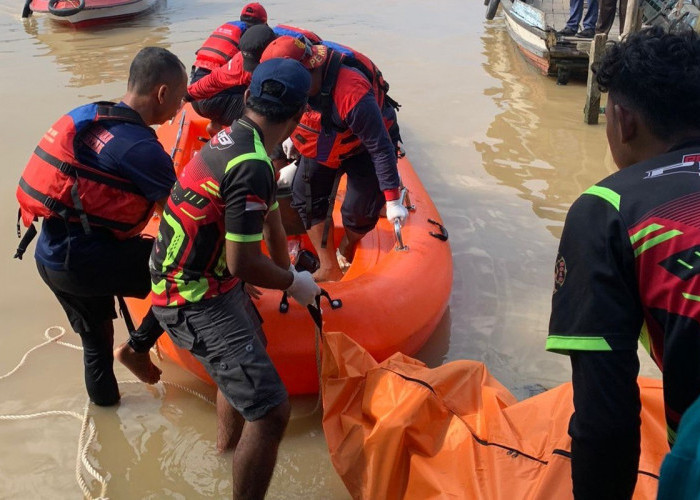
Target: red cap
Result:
[[254, 13], [288, 47]]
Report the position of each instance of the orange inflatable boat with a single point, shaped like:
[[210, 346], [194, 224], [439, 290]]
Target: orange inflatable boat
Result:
[[398, 430], [392, 299]]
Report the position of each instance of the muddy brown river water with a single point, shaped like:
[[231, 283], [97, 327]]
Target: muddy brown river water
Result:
[[502, 150]]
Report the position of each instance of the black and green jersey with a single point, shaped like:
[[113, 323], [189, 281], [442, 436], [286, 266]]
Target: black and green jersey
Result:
[[627, 271], [224, 192]]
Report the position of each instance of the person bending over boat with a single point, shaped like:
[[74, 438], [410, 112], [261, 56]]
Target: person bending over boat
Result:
[[217, 50], [209, 244], [233, 77], [350, 128], [89, 249], [629, 261]]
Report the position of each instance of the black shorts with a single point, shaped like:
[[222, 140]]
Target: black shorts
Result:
[[224, 108], [87, 294], [225, 334], [363, 198]]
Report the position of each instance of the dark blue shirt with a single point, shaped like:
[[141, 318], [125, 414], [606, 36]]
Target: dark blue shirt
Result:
[[127, 150]]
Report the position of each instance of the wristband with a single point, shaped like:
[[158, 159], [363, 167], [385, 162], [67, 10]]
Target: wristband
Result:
[[392, 194]]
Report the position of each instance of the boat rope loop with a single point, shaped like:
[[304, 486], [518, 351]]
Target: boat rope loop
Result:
[[50, 339], [87, 430]]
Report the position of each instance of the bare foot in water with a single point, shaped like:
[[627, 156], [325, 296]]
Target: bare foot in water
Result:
[[138, 363]]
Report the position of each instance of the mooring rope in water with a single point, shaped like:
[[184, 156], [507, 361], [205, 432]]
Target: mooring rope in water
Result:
[[50, 339], [88, 427], [88, 430]]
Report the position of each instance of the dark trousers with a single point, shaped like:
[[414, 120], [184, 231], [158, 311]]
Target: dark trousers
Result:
[[87, 297], [606, 16], [576, 13]]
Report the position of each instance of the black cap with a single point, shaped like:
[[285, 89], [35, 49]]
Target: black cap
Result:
[[290, 74], [253, 43]]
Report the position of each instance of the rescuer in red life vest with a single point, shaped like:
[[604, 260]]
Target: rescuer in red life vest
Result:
[[219, 49], [95, 179], [233, 77], [353, 130]]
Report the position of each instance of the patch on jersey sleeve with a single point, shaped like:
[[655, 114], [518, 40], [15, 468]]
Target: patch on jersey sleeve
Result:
[[254, 203], [221, 140], [559, 273]]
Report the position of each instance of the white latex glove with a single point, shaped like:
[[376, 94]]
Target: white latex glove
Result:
[[303, 289], [396, 210], [287, 175], [289, 149]]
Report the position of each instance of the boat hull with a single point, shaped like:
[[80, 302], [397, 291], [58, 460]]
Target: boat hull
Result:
[[95, 11], [538, 42], [392, 300]]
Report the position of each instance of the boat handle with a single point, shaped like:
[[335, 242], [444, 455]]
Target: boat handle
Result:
[[334, 303], [400, 247], [442, 235], [179, 135]]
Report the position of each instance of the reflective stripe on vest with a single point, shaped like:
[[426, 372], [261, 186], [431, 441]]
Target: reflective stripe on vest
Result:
[[221, 45]]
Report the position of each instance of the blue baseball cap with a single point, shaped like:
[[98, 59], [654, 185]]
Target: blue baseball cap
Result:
[[294, 77]]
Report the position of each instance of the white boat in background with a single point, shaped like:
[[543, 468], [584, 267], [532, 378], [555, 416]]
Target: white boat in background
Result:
[[82, 13]]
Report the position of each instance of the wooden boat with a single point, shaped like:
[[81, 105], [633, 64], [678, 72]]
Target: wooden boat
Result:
[[533, 26], [392, 300], [83, 13]]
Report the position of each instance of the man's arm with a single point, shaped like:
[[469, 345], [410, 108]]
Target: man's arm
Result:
[[148, 166], [366, 122], [224, 77], [247, 262], [605, 428], [596, 319], [276, 238], [247, 190]]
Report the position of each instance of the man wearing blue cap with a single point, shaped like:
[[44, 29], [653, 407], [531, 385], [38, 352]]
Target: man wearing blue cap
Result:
[[208, 245]]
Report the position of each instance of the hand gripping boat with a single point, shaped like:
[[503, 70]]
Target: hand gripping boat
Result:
[[82, 13], [392, 299]]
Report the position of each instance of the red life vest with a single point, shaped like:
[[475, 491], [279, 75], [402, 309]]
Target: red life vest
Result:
[[306, 140], [221, 45], [338, 143], [55, 184], [364, 64]]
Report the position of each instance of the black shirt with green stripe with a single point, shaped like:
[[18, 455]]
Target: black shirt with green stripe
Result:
[[627, 271], [224, 192]]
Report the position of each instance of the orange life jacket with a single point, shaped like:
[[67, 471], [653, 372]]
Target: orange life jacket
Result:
[[55, 184], [221, 45]]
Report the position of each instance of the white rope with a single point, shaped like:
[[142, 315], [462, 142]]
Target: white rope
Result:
[[83, 444], [50, 339], [87, 430]]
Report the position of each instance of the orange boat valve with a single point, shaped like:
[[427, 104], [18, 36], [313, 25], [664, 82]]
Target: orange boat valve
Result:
[[334, 303]]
